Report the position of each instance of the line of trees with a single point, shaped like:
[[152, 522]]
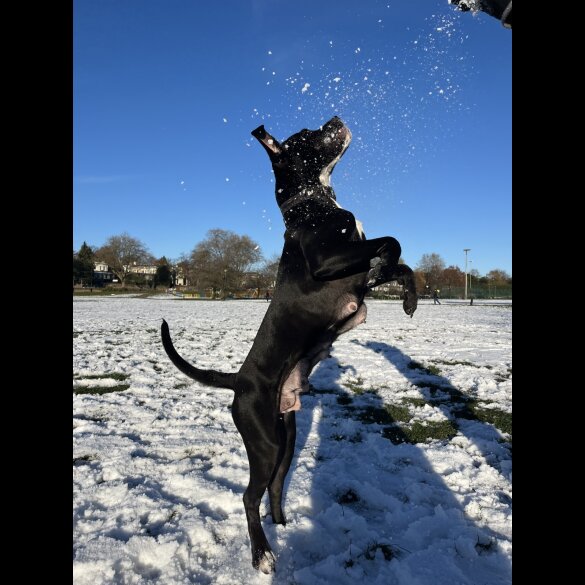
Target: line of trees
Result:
[[224, 260], [432, 274]]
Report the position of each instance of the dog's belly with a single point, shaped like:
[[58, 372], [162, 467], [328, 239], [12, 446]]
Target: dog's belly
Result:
[[298, 380]]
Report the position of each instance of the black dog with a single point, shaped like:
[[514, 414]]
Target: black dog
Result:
[[325, 270]]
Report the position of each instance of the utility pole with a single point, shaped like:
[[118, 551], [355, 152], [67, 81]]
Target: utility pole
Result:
[[466, 250]]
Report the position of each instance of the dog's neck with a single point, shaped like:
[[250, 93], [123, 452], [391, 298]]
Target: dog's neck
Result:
[[295, 204]]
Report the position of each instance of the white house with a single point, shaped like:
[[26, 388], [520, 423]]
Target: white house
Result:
[[101, 273]]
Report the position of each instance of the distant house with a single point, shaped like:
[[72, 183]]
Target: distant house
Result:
[[179, 277], [147, 269], [102, 274]]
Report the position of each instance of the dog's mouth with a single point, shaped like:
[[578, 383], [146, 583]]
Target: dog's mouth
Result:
[[336, 130]]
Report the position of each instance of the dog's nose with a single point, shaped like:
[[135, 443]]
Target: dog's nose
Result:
[[336, 123]]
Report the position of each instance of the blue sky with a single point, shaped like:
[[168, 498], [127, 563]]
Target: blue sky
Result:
[[166, 94]]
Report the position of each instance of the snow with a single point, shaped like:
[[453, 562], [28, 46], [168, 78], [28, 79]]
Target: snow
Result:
[[159, 468], [379, 92]]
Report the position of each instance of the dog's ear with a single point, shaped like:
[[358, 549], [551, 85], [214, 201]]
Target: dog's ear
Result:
[[270, 143]]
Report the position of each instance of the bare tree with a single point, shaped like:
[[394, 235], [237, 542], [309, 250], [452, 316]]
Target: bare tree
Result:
[[121, 252], [497, 276], [431, 266], [452, 276], [269, 271], [222, 258]]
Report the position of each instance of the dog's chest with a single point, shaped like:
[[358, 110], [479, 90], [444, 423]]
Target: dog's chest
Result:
[[358, 224]]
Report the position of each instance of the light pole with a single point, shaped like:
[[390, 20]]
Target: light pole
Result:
[[466, 250], [224, 282], [470, 292]]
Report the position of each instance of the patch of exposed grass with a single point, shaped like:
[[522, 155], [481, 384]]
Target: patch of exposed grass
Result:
[[395, 434], [100, 389], [113, 375], [84, 459], [414, 365], [475, 410], [432, 387], [419, 433], [442, 430], [500, 419], [504, 376], [430, 370], [398, 413], [76, 334], [415, 401], [180, 385], [356, 386], [383, 415], [456, 363]]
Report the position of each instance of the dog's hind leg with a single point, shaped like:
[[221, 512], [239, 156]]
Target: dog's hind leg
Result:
[[289, 435], [258, 425]]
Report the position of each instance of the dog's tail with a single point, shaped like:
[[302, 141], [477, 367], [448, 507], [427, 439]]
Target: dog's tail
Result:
[[207, 377]]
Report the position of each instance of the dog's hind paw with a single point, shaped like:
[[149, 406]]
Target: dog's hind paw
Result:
[[266, 563], [410, 302]]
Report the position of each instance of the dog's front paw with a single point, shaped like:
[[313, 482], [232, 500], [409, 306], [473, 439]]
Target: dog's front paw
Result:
[[374, 276], [410, 302]]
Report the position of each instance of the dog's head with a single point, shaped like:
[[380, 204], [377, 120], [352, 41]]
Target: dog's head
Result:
[[306, 158]]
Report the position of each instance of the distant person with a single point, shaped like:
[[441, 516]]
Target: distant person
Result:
[[436, 300], [267, 296]]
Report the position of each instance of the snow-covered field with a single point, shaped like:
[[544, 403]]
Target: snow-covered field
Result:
[[159, 469]]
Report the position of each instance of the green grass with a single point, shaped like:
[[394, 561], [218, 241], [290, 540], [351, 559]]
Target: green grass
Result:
[[430, 370], [456, 363], [500, 419], [356, 386], [113, 375], [383, 415], [415, 401], [442, 430], [419, 433], [100, 389], [84, 459]]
